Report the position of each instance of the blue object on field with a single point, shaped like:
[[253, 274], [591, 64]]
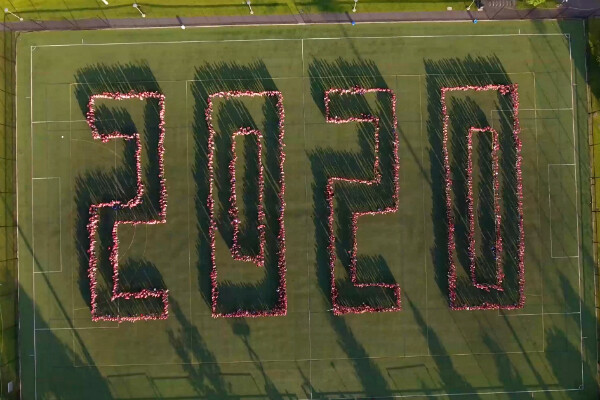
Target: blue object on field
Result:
[[353, 23], [475, 21]]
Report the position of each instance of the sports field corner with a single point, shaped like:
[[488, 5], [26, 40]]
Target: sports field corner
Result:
[[394, 139]]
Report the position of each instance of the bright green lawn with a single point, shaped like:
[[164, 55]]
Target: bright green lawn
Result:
[[83, 9], [523, 4], [548, 347]]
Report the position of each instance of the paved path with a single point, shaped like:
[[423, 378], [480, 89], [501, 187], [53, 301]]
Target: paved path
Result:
[[493, 10]]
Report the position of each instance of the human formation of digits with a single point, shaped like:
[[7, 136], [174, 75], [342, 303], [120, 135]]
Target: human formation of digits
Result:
[[280, 306]]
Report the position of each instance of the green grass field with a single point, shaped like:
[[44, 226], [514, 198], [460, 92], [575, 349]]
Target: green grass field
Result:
[[545, 350]]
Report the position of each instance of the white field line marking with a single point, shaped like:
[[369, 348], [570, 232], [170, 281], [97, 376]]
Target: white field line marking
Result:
[[73, 309], [540, 314], [308, 237], [300, 77], [70, 178], [536, 109], [235, 79], [315, 359], [73, 262], [78, 329], [58, 121], [297, 39], [32, 219], [575, 158], [539, 199], [17, 220]]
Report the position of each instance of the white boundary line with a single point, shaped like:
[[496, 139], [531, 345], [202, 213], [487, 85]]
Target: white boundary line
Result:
[[308, 263], [540, 314], [534, 109], [539, 199], [18, 236], [33, 312], [72, 210], [298, 360], [82, 328], [575, 158], [291, 77], [337, 38], [426, 244], [59, 224], [298, 39], [63, 121]]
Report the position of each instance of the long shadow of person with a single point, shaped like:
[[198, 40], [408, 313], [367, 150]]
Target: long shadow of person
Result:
[[66, 381]]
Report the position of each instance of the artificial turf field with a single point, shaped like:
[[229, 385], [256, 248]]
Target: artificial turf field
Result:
[[547, 349]]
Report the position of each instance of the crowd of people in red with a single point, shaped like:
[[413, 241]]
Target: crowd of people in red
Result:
[[516, 130], [120, 204], [339, 309]]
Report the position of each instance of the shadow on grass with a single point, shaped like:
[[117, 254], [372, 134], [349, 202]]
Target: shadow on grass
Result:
[[241, 328], [229, 116], [57, 355], [118, 183], [464, 113], [562, 349], [198, 362], [448, 373]]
